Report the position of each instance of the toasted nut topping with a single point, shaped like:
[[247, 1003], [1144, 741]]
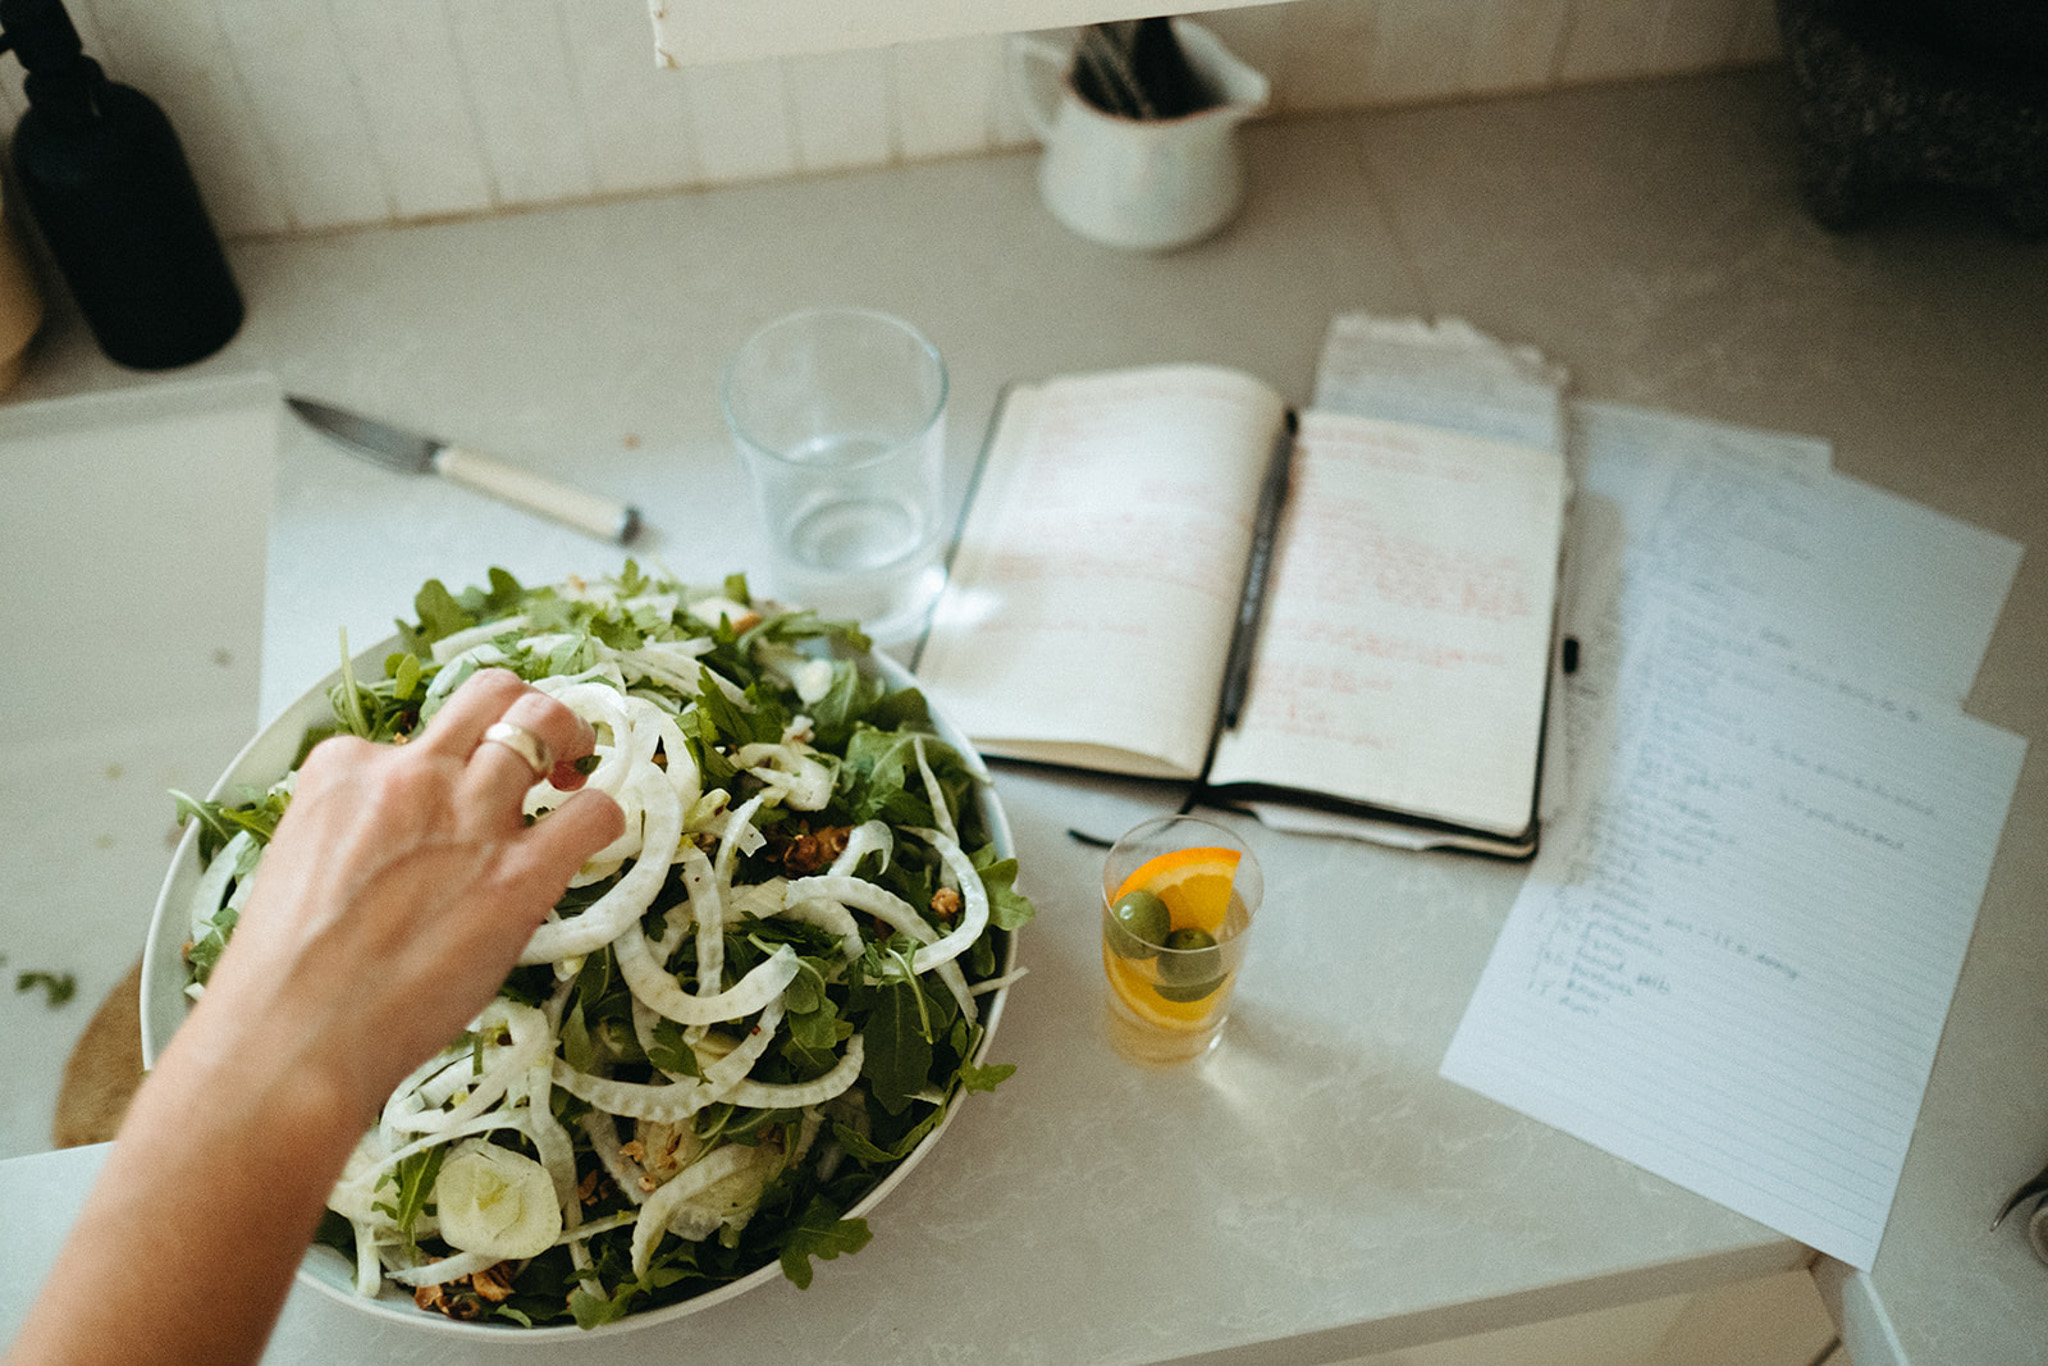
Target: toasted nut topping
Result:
[[493, 1283]]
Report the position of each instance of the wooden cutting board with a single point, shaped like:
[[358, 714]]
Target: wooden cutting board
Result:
[[104, 1069]]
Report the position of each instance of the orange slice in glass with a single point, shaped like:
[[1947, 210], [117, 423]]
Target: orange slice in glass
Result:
[[1194, 884]]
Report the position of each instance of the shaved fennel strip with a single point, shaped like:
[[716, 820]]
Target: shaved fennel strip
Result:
[[711, 927], [621, 907], [732, 1069], [974, 912], [455, 642], [755, 1095], [830, 916], [444, 1270], [212, 887], [861, 895], [941, 813], [369, 1266], [680, 1099], [794, 1095], [870, 837], [531, 1041], [662, 1206], [625, 1173], [993, 984], [892, 909], [700, 882], [363, 1184], [651, 983]]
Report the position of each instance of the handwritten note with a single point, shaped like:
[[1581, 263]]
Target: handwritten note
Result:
[[1110, 542], [1408, 629], [1754, 523], [1732, 964]]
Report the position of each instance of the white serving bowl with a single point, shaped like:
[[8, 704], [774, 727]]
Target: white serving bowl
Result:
[[267, 758]]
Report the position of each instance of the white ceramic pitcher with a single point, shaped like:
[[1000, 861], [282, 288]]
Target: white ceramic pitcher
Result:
[[1144, 184]]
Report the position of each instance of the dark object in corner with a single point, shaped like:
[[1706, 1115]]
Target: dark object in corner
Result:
[[1894, 94], [110, 190], [1136, 69]]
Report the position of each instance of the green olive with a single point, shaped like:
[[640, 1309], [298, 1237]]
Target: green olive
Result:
[[1195, 970], [1143, 922]]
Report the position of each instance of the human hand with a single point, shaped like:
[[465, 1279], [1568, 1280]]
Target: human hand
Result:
[[401, 886], [396, 894]]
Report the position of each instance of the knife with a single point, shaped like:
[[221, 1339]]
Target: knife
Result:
[[412, 453]]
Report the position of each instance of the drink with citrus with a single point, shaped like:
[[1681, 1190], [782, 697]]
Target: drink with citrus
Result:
[[1178, 896]]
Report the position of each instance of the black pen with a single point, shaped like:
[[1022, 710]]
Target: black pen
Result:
[[1237, 674]]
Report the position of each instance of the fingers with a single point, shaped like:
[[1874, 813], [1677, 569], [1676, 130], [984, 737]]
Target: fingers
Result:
[[551, 851], [544, 739]]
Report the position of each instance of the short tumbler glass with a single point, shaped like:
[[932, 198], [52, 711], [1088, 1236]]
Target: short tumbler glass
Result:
[[1178, 897], [839, 416]]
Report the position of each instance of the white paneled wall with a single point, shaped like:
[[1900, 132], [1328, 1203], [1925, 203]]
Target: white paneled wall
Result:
[[315, 114]]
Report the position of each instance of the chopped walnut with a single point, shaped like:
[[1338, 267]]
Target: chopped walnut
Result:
[[946, 903], [452, 1300], [814, 851], [493, 1283], [594, 1188]]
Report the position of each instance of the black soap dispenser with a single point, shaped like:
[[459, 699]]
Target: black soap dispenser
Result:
[[108, 186]]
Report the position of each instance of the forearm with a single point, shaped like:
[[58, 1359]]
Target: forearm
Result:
[[186, 1247], [392, 900]]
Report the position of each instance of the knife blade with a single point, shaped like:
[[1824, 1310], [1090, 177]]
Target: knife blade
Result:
[[416, 453]]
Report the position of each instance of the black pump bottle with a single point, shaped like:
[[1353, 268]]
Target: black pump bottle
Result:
[[109, 188]]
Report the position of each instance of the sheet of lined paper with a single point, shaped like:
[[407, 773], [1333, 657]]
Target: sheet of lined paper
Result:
[[1731, 965]]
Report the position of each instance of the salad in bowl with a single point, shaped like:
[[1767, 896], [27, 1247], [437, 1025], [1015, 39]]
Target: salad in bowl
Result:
[[743, 1022]]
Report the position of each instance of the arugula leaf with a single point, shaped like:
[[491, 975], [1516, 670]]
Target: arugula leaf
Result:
[[58, 987], [577, 1050], [670, 1052], [985, 1078], [595, 1310], [898, 1060], [865, 1149], [206, 951], [414, 1178], [214, 828], [501, 599], [1008, 909], [439, 613], [820, 1232]]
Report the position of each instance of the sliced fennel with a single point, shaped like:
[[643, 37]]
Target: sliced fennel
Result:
[[742, 1014]]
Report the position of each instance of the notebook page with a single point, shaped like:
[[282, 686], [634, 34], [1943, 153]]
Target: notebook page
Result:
[[1406, 642], [1092, 597], [1732, 969]]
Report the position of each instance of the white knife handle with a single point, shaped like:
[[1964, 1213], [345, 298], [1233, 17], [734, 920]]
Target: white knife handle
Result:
[[603, 518]]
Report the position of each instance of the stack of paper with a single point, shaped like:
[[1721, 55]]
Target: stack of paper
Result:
[[1732, 960]]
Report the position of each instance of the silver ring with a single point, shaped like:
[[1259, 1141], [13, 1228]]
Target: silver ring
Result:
[[525, 744]]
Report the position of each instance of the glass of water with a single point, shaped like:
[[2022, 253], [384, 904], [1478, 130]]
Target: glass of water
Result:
[[839, 416]]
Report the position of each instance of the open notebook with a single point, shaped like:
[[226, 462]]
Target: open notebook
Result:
[[1400, 672]]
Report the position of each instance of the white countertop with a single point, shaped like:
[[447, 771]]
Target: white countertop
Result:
[[1314, 1191]]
